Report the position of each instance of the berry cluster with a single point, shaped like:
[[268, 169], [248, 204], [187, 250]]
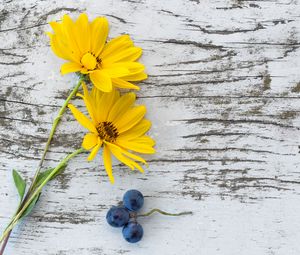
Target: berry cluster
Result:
[[125, 216]]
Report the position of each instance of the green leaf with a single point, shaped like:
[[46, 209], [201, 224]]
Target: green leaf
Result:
[[31, 206], [20, 184], [43, 175], [40, 179]]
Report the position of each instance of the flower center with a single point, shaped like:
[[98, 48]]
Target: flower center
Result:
[[89, 61], [107, 131]]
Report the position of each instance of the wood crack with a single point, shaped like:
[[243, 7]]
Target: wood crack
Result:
[[237, 121]]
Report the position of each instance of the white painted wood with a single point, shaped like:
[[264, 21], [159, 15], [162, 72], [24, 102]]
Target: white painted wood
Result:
[[223, 95]]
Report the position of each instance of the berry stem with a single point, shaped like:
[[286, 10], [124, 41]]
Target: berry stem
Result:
[[164, 213]]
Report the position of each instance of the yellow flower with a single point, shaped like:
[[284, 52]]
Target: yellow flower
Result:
[[83, 45], [115, 124]]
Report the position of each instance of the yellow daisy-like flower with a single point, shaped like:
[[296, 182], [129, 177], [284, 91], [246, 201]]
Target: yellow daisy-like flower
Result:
[[83, 45], [115, 124]]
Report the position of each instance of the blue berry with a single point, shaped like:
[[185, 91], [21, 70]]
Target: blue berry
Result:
[[133, 200], [133, 232], [117, 216]]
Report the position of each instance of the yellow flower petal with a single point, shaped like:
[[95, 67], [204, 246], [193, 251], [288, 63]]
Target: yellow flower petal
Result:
[[68, 28], [123, 84], [88, 103], [119, 43], [59, 49], [138, 130], [137, 146], [133, 156], [95, 100], [82, 33], [118, 153], [135, 165], [59, 45], [82, 119], [131, 55], [127, 55], [136, 77], [101, 81], [121, 106], [99, 32], [108, 163], [94, 151], [96, 95], [144, 140], [57, 29], [116, 72], [70, 67], [90, 140], [132, 67], [105, 104], [130, 118]]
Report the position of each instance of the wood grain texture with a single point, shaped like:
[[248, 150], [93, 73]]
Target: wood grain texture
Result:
[[224, 97]]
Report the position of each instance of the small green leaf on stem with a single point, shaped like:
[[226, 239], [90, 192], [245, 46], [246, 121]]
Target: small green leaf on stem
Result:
[[40, 179], [43, 175], [31, 206], [20, 184]]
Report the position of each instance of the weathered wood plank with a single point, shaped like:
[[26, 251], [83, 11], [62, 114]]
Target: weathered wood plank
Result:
[[223, 96]]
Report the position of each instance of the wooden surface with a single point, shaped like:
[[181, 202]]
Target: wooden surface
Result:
[[224, 97]]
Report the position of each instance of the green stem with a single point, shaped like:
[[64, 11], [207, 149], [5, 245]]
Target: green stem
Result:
[[163, 212], [8, 234], [4, 243], [37, 191], [53, 129]]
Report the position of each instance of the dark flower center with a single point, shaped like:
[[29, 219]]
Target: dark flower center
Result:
[[107, 131]]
